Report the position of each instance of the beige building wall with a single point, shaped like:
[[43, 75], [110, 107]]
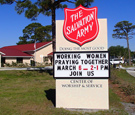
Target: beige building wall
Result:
[[26, 60], [10, 60], [14, 59], [43, 53]]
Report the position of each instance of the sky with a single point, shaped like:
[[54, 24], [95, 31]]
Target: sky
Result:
[[12, 24]]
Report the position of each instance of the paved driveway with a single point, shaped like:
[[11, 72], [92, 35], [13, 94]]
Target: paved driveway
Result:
[[131, 72]]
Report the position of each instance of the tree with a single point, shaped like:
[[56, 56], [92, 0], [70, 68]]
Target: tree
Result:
[[118, 51], [45, 7], [124, 30], [35, 31]]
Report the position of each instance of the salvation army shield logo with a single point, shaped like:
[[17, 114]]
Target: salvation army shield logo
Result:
[[81, 24]]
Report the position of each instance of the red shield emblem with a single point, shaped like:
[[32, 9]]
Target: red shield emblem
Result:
[[81, 24]]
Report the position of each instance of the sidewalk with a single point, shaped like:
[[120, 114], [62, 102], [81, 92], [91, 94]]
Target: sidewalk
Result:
[[10, 68], [30, 68]]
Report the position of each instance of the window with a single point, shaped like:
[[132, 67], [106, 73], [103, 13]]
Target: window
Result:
[[117, 59], [19, 60]]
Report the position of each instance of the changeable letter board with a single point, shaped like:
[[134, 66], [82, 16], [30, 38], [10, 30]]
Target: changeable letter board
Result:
[[93, 65]]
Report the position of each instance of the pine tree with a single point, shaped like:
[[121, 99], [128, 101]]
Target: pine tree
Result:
[[45, 7]]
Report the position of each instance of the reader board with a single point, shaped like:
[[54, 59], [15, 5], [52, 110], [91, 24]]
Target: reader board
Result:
[[93, 65]]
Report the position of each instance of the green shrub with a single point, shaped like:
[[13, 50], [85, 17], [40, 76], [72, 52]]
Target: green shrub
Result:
[[114, 78], [20, 65], [133, 61], [14, 64], [7, 64], [128, 89]]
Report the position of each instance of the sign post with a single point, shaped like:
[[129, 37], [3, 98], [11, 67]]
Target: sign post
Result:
[[81, 60]]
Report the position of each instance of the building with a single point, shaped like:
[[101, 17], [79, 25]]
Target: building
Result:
[[26, 53]]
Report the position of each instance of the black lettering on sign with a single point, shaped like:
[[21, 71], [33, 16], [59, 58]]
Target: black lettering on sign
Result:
[[76, 73], [104, 67], [96, 56], [68, 56], [90, 73], [66, 67], [66, 62]]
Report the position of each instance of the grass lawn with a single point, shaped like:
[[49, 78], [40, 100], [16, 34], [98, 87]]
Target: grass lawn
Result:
[[33, 93], [123, 76]]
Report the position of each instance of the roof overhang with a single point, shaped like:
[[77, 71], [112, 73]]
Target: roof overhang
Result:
[[2, 53], [43, 46], [19, 56], [50, 54], [38, 48]]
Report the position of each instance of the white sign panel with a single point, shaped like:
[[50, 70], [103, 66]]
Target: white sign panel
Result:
[[81, 65]]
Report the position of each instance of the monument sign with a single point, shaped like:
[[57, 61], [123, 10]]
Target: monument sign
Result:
[[81, 60]]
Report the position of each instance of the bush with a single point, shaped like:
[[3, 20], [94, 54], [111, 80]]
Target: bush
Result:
[[32, 63], [7, 64], [20, 65], [14, 64], [114, 78], [128, 89], [133, 61]]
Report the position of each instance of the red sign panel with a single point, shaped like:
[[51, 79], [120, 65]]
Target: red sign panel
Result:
[[81, 24]]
